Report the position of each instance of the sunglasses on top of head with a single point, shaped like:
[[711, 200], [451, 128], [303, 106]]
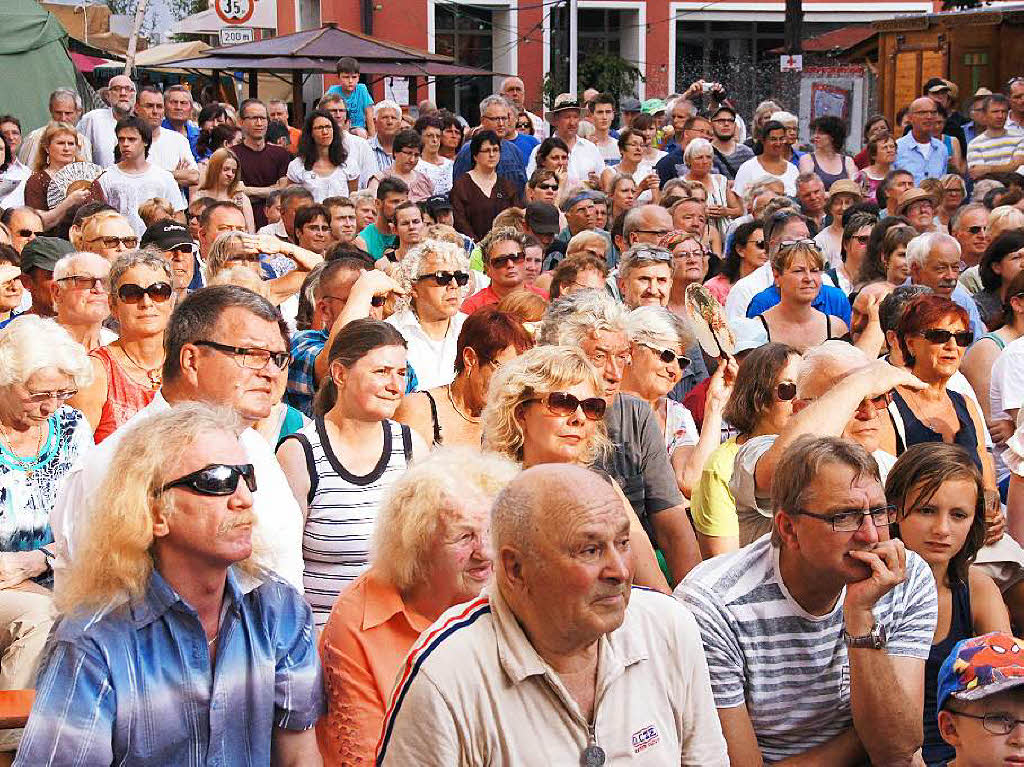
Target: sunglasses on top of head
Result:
[[216, 479], [563, 404]]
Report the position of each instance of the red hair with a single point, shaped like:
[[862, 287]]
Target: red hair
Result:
[[926, 312], [489, 332]]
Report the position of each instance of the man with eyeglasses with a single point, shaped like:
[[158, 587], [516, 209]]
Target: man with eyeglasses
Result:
[[81, 299], [504, 263], [817, 634], [226, 346], [731, 152], [98, 125], [999, 149], [262, 166], [24, 224], [918, 151], [497, 116], [38, 260], [176, 245], [934, 260]]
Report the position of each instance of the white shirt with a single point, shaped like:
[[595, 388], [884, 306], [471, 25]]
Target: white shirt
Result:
[[831, 245], [126, 191], [440, 175], [169, 148], [540, 128], [360, 156], [433, 361], [98, 127], [584, 159], [752, 170], [322, 187], [12, 184], [278, 528]]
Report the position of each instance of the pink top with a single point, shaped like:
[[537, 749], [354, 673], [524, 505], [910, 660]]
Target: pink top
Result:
[[719, 287], [124, 397]]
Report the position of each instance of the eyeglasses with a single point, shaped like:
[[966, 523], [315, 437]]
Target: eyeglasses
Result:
[[251, 358], [83, 282], [861, 238], [42, 396], [785, 391], [499, 262], [936, 336], [668, 356], [850, 520], [216, 479], [28, 233], [658, 232], [548, 187], [255, 118], [502, 119], [997, 724], [319, 228], [563, 404], [445, 278], [158, 292], [112, 242], [377, 301]]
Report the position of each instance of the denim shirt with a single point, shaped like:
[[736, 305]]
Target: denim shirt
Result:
[[910, 158], [134, 685], [510, 165]]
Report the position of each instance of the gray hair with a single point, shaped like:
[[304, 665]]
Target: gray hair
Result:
[[641, 255], [220, 252], [963, 210], [494, 98], [65, 93], [64, 267], [380, 106], [134, 258], [919, 248], [698, 146], [197, 317], [758, 186], [408, 269], [419, 502], [983, 187], [658, 327], [30, 343], [569, 320], [786, 118], [825, 364]]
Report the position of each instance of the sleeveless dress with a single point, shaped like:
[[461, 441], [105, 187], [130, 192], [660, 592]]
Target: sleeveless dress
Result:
[[935, 750], [829, 178], [124, 397], [911, 431], [342, 511], [828, 326]]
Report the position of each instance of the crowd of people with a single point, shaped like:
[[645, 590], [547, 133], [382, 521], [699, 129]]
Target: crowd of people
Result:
[[348, 442]]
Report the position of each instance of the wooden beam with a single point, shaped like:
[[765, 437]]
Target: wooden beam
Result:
[[254, 84], [297, 103]]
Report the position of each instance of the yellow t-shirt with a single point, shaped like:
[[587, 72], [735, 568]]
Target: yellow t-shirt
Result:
[[712, 505]]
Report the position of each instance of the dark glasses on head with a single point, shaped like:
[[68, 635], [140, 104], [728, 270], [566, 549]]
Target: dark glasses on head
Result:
[[936, 336], [113, 242], [563, 404], [216, 479], [785, 391], [444, 278], [131, 293], [668, 356], [514, 258]]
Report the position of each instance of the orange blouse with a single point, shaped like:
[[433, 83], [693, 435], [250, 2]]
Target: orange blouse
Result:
[[362, 647]]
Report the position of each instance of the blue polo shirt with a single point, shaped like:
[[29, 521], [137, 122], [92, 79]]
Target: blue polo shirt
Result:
[[830, 300]]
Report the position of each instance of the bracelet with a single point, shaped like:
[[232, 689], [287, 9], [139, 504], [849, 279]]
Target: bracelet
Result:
[[48, 557]]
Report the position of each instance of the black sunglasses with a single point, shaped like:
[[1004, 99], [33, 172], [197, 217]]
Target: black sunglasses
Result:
[[936, 336], [759, 244], [785, 391], [977, 229], [668, 356], [28, 233], [563, 404], [445, 278], [131, 293], [499, 262], [548, 187], [216, 479]]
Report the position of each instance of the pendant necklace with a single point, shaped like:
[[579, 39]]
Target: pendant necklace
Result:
[[457, 410], [155, 375]]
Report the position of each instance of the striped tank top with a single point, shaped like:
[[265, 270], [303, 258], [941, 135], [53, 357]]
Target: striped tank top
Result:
[[342, 511]]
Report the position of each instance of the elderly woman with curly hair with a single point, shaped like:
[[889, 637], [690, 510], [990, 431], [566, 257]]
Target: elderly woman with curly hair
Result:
[[546, 406], [434, 278], [41, 367], [431, 550]]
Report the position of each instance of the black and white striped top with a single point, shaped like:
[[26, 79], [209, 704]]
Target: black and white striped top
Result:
[[342, 511]]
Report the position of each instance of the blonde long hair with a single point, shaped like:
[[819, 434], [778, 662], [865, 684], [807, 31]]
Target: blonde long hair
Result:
[[215, 165], [52, 130], [113, 564]]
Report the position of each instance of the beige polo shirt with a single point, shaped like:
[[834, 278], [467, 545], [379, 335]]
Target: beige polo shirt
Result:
[[473, 691]]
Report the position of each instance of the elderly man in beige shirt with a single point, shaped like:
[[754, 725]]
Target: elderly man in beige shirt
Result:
[[560, 661]]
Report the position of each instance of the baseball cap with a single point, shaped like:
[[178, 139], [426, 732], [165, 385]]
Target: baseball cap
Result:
[[166, 234], [542, 218], [935, 85], [44, 253], [721, 109], [652, 106], [438, 203], [981, 666], [629, 104]]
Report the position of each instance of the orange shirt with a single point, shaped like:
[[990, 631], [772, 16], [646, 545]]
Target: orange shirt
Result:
[[362, 648], [294, 134]]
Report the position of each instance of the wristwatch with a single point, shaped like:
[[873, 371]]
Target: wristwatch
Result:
[[873, 640]]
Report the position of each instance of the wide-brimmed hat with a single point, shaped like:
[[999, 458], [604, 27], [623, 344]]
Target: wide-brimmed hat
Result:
[[845, 186], [911, 196], [564, 102]]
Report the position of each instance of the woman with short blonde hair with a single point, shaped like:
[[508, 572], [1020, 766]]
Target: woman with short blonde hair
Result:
[[107, 233]]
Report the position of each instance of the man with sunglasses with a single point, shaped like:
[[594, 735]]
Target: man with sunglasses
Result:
[[81, 299], [195, 653], [175, 244], [817, 634], [24, 225], [226, 346], [504, 264]]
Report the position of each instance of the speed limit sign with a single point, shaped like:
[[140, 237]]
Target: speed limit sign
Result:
[[235, 11]]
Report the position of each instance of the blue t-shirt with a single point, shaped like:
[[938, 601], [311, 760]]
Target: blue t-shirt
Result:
[[830, 300], [525, 143], [355, 103]]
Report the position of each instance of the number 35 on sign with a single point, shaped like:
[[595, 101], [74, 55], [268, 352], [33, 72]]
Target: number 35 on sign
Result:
[[235, 11]]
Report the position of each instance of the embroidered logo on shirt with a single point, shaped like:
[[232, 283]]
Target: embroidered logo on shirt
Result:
[[645, 738]]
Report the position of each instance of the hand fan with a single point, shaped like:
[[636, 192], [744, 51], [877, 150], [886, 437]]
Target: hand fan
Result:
[[71, 178], [709, 325]]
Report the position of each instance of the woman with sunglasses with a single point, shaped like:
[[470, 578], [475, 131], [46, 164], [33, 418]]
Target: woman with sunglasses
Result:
[[1001, 262], [40, 439], [127, 372], [224, 182], [852, 252], [232, 249], [746, 254], [940, 502], [933, 334], [543, 186], [107, 233], [450, 414], [341, 465], [546, 407], [632, 164], [797, 267]]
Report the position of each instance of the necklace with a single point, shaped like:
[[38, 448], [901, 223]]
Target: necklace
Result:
[[22, 463], [457, 410], [155, 375]]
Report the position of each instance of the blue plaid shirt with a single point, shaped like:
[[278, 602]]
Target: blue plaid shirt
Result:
[[135, 686], [306, 347]]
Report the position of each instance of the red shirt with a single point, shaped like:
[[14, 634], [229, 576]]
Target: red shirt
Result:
[[487, 296]]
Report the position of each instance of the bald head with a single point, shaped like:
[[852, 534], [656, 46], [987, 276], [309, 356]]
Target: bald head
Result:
[[646, 223], [513, 89], [922, 114]]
